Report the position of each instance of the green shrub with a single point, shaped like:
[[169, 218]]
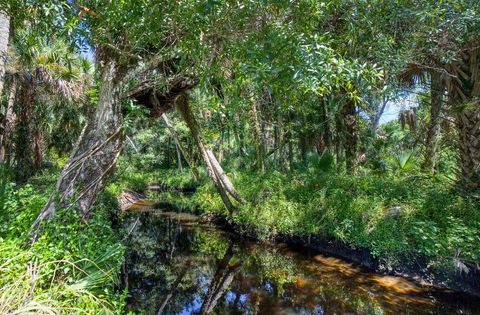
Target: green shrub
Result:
[[72, 268], [397, 218]]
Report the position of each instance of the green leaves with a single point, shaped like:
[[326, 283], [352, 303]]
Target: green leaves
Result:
[[404, 160]]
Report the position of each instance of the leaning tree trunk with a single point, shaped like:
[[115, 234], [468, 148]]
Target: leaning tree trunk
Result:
[[378, 115], [4, 36], [95, 154], [433, 132], [223, 177], [184, 109]]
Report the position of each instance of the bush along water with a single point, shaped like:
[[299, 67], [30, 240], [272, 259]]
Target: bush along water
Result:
[[405, 222]]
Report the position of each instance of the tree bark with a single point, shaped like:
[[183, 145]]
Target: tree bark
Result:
[[468, 124], [326, 133], [23, 136], [282, 161], [184, 109], [38, 147], [95, 154], [179, 158], [259, 146], [433, 132], [8, 126], [350, 136], [378, 115], [339, 138], [223, 177], [464, 95], [4, 37]]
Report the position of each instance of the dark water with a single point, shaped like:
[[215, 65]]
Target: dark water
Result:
[[177, 265]]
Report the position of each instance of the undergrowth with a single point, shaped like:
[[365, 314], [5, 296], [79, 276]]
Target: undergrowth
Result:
[[399, 219], [72, 268]]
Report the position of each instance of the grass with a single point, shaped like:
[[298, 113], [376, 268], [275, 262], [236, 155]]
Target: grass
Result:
[[73, 267]]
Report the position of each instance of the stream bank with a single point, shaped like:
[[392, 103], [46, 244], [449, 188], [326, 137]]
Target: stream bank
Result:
[[177, 263], [465, 282]]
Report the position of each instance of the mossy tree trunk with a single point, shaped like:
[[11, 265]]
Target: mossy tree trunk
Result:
[[95, 154]]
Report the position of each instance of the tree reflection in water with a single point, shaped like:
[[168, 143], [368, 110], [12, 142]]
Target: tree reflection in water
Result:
[[177, 265]]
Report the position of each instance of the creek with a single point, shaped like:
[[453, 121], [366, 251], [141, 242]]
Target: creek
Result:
[[178, 264]]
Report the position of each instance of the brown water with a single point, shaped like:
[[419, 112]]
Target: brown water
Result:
[[178, 265]]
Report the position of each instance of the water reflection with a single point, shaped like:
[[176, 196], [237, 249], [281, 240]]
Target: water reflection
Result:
[[177, 265]]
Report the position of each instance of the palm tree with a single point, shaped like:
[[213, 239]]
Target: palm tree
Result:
[[47, 74], [422, 73], [463, 86]]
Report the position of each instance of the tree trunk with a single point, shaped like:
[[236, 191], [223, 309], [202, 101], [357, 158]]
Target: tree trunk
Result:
[[24, 137], [378, 116], [282, 161], [180, 147], [238, 139], [8, 126], [95, 154], [339, 139], [179, 158], [223, 177], [433, 132], [259, 146], [38, 146], [468, 124], [184, 109], [4, 37], [290, 151], [464, 95], [349, 114], [326, 133]]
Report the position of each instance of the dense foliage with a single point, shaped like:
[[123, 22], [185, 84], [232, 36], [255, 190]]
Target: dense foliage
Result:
[[72, 268], [275, 111]]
